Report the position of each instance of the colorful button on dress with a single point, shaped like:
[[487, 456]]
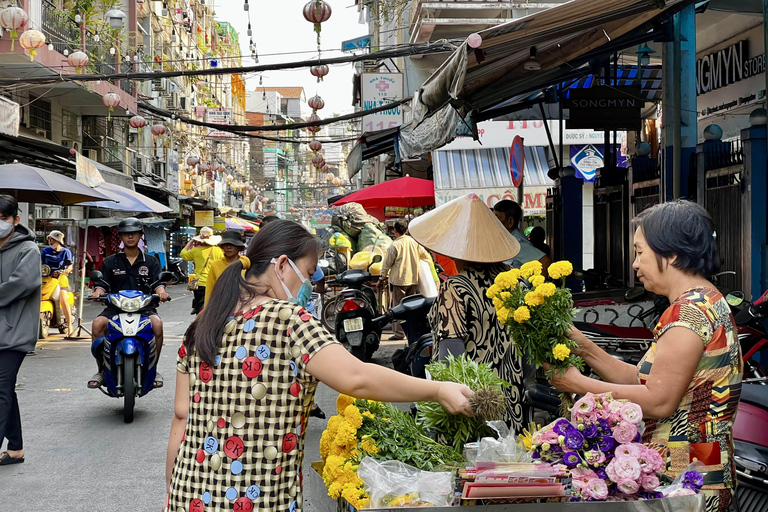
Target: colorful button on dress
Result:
[[702, 427], [244, 442]]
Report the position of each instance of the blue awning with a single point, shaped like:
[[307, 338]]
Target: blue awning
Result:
[[487, 168]]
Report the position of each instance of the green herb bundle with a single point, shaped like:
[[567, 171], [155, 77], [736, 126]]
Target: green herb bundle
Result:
[[457, 429]]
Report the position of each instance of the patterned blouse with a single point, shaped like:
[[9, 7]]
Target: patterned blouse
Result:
[[702, 427], [244, 443], [463, 311]]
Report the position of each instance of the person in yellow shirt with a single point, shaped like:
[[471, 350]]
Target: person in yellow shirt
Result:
[[231, 244], [202, 251]]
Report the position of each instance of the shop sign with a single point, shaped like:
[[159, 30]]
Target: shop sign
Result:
[[534, 198], [586, 160], [605, 108], [222, 116], [727, 66], [204, 218], [379, 89]]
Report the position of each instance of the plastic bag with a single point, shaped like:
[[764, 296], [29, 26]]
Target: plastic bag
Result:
[[688, 482], [371, 235], [340, 240], [395, 484], [506, 448]]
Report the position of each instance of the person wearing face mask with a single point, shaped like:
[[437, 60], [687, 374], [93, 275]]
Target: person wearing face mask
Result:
[[20, 284], [252, 360]]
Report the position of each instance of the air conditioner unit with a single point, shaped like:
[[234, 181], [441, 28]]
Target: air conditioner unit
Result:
[[41, 131], [169, 87], [157, 84], [171, 102]]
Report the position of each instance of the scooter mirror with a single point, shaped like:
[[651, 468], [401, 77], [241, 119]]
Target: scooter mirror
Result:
[[377, 259], [97, 276], [734, 299], [165, 277]]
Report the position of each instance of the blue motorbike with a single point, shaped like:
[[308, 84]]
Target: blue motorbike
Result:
[[127, 351]]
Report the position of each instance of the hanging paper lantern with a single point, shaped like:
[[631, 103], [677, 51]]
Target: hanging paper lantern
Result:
[[313, 119], [13, 19], [158, 129], [325, 168], [205, 167], [111, 99], [32, 40], [316, 103], [229, 178], [315, 145], [319, 71], [318, 160], [317, 12], [78, 60], [137, 122], [192, 160]]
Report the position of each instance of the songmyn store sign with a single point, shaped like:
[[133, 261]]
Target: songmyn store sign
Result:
[[727, 66], [604, 108]]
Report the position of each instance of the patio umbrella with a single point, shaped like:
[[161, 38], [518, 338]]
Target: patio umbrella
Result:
[[237, 224], [33, 185], [127, 200], [404, 192]]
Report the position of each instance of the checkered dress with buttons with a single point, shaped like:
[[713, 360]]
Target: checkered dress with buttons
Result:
[[244, 442]]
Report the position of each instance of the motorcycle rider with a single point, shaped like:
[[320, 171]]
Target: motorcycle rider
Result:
[[59, 259], [129, 269]]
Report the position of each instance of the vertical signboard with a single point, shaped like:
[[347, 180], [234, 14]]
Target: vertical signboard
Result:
[[378, 89], [222, 116]]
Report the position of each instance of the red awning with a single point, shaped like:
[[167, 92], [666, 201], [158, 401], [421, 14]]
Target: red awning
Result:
[[403, 192]]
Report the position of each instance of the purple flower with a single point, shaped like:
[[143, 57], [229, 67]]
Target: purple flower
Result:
[[693, 480], [562, 427], [604, 425], [571, 459], [606, 443], [638, 438], [556, 448], [590, 431], [535, 455], [600, 472], [574, 440]]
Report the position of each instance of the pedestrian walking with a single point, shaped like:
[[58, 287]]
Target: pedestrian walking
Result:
[[202, 250], [231, 244], [20, 284], [400, 269], [247, 374]]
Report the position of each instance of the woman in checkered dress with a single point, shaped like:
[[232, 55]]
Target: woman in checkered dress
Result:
[[247, 374]]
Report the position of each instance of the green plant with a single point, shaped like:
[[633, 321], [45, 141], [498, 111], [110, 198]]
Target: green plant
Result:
[[457, 429]]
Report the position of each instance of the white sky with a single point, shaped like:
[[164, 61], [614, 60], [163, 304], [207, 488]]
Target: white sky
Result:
[[279, 27]]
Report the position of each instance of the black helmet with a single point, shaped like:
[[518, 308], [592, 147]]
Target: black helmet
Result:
[[130, 225]]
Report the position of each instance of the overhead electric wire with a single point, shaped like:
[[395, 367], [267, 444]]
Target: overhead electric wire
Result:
[[426, 48]]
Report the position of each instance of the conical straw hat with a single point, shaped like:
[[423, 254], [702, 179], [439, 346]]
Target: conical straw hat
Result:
[[465, 229]]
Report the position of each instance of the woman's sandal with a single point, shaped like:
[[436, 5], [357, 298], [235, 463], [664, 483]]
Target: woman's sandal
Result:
[[7, 460], [96, 381]]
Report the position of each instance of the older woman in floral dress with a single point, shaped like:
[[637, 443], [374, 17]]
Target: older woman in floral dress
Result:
[[689, 382]]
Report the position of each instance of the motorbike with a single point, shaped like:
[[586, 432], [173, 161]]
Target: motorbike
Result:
[[355, 308], [413, 359], [51, 314], [128, 348], [178, 267]]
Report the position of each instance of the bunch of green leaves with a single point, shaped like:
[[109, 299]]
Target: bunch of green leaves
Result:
[[457, 429], [399, 437], [547, 327]]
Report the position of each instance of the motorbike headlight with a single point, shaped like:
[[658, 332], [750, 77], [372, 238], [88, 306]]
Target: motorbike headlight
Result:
[[130, 305], [46, 270]]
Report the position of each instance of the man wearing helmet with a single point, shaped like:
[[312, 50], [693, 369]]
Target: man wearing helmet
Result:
[[129, 269]]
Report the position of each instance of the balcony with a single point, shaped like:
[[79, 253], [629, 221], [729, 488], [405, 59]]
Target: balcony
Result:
[[446, 19]]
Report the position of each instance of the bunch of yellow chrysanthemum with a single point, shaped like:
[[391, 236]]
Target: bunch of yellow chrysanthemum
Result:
[[537, 313]]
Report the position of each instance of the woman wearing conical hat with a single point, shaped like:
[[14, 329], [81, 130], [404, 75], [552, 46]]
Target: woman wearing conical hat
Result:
[[463, 319]]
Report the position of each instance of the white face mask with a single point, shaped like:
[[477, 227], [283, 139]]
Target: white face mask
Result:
[[6, 228]]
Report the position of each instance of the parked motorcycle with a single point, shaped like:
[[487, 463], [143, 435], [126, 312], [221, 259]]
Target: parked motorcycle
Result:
[[128, 348], [412, 310], [355, 308], [178, 267], [51, 314]]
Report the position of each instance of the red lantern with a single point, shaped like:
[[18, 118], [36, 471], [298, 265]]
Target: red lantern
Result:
[[313, 119], [32, 40], [325, 168], [78, 60], [316, 103], [111, 99], [317, 12], [158, 129], [318, 160], [13, 19], [137, 122], [205, 167], [315, 145], [192, 160], [319, 71]]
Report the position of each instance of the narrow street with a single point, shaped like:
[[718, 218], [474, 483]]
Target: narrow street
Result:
[[79, 454]]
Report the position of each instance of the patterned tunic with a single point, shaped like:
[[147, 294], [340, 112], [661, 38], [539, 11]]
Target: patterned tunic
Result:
[[702, 427], [244, 442], [463, 311]]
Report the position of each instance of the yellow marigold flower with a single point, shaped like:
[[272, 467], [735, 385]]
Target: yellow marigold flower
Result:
[[514, 275], [546, 289], [492, 291], [325, 444], [534, 299], [532, 268], [522, 314], [498, 303], [353, 416], [560, 269], [332, 469], [369, 445], [537, 281], [561, 352], [342, 402], [369, 414], [355, 495], [333, 424], [503, 314], [346, 435], [334, 490]]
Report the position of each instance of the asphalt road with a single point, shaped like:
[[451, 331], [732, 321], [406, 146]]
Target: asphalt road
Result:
[[80, 456]]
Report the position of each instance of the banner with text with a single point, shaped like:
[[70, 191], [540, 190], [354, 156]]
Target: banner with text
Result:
[[379, 89]]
